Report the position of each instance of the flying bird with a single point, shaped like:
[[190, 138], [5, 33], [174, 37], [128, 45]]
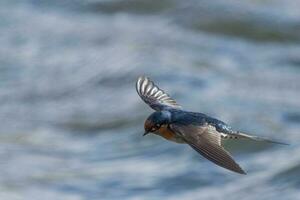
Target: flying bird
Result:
[[202, 132]]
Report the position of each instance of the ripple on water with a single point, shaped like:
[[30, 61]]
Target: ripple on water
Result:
[[288, 177], [292, 117], [131, 6]]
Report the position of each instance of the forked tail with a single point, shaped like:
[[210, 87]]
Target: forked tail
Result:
[[240, 135]]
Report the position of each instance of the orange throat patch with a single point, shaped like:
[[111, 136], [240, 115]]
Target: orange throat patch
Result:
[[166, 133]]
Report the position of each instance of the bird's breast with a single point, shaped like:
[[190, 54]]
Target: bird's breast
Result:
[[168, 134]]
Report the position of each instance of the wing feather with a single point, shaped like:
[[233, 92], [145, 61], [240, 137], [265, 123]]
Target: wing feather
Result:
[[207, 141], [151, 94]]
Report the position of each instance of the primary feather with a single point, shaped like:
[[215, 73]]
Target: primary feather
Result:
[[155, 97], [207, 141]]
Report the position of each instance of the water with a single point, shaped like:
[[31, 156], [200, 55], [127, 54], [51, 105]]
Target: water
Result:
[[72, 121]]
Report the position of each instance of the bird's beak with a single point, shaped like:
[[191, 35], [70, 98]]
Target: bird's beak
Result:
[[145, 133]]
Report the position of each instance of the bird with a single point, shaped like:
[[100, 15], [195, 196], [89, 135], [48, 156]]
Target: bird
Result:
[[200, 131]]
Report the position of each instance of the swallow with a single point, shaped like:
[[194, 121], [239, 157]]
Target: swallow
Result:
[[200, 131]]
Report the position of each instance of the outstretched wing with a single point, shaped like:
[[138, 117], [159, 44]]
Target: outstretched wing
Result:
[[207, 141], [155, 97]]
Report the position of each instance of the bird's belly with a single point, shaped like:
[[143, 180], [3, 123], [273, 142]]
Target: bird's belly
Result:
[[166, 133]]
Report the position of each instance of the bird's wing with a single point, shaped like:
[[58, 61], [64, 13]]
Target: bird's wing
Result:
[[155, 97], [207, 141]]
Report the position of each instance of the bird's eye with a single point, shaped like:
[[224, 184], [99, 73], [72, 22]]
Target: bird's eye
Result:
[[157, 125]]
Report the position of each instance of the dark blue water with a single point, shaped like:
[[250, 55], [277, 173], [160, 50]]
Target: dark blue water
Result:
[[72, 123]]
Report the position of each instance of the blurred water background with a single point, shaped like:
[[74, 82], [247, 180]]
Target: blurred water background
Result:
[[72, 123]]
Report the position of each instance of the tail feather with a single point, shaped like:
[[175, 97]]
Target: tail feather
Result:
[[238, 135]]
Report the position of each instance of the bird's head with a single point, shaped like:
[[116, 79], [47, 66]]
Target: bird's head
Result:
[[156, 120]]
